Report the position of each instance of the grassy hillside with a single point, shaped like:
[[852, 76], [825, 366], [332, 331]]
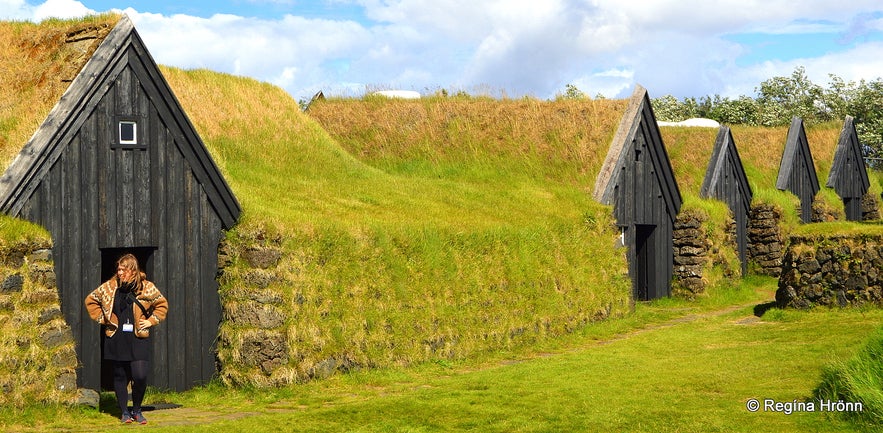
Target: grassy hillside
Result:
[[445, 252]]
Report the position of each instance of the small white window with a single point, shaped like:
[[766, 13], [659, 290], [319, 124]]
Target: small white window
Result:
[[128, 132]]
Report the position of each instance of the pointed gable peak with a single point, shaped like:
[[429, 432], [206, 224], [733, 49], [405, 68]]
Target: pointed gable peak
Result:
[[848, 165], [625, 133], [725, 160], [121, 49], [638, 123], [797, 159]]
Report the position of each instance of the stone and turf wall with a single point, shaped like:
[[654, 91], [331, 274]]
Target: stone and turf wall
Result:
[[765, 239], [691, 251], [37, 353], [832, 270]]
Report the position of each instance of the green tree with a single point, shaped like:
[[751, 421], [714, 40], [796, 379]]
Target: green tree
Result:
[[741, 111], [669, 109], [781, 98], [572, 92]]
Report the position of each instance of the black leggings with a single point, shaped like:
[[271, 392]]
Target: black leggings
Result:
[[123, 372]]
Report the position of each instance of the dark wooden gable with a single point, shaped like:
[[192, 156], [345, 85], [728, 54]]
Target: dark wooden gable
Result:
[[637, 179], [161, 197], [797, 172], [848, 176], [725, 180]]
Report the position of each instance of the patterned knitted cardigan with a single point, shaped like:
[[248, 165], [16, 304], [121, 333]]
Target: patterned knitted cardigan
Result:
[[99, 305]]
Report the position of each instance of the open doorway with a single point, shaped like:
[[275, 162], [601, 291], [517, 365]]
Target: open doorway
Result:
[[645, 262], [109, 257]]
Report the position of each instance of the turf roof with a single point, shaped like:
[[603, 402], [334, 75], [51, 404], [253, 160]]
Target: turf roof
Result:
[[37, 66]]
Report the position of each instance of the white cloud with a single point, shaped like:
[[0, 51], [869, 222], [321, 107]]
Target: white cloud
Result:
[[60, 9], [15, 9], [270, 50], [517, 46]]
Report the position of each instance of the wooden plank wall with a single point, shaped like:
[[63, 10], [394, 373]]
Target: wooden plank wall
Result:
[[801, 184], [639, 200], [849, 176], [96, 197], [726, 181], [797, 171]]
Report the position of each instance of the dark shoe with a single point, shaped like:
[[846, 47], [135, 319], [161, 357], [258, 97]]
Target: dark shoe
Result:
[[126, 418], [139, 418]]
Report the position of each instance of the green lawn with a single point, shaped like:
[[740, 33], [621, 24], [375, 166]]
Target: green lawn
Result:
[[672, 366]]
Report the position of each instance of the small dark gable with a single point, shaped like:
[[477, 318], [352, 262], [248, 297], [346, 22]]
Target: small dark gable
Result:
[[637, 179], [797, 172], [117, 167], [848, 176], [725, 180]]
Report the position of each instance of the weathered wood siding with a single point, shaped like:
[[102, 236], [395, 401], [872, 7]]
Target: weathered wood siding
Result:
[[97, 197], [163, 197], [849, 176], [726, 181], [797, 172], [638, 180]]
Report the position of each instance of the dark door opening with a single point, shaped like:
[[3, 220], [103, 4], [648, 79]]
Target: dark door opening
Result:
[[853, 208], [645, 263], [109, 257]]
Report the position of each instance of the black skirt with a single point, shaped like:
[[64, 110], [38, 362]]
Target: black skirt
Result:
[[124, 346]]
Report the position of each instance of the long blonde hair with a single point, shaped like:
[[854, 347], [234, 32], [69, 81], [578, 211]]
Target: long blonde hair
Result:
[[130, 262]]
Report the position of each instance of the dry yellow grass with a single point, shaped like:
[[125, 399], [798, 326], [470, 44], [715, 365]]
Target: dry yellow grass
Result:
[[572, 135], [37, 64]]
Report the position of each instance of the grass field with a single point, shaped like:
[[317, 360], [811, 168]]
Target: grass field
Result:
[[468, 221], [673, 366]]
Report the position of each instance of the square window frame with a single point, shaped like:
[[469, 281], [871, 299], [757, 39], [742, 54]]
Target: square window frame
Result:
[[140, 141]]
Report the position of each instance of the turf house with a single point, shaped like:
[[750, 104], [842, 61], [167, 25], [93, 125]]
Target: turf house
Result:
[[725, 180], [848, 176], [797, 172], [637, 179], [118, 167]]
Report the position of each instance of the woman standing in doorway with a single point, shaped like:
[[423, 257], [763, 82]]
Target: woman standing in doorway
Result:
[[128, 305]]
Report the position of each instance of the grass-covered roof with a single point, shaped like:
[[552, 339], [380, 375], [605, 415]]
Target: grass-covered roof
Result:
[[37, 64]]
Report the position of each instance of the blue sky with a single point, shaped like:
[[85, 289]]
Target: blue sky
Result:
[[504, 47]]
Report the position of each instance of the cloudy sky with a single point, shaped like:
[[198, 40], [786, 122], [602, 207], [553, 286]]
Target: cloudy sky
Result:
[[503, 47]]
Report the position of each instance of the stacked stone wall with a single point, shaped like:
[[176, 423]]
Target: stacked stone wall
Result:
[[253, 333], [691, 247], [832, 271], [38, 358], [765, 239], [870, 208]]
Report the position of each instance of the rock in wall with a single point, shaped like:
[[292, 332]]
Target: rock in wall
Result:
[[38, 359], [765, 241], [832, 271], [870, 208], [691, 245]]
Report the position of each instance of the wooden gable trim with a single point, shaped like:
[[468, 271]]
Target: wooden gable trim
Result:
[[796, 151], [638, 119], [33, 163], [188, 140], [849, 150], [725, 157], [121, 48]]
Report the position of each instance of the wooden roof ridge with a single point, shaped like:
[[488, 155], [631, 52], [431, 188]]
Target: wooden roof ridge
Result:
[[796, 154], [638, 119], [725, 156], [121, 47], [848, 150]]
